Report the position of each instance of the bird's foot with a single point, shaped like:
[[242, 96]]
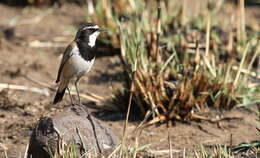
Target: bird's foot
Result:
[[79, 104]]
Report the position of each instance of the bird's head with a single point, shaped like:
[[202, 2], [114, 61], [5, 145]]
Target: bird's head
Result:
[[88, 32]]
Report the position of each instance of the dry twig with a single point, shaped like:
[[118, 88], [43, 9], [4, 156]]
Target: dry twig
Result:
[[24, 88], [129, 103], [88, 95]]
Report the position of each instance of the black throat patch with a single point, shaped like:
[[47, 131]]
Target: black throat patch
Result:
[[86, 52]]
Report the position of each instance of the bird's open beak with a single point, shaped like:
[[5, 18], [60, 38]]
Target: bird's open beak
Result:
[[103, 30]]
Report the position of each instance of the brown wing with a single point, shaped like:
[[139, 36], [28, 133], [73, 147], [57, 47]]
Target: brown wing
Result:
[[66, 55]]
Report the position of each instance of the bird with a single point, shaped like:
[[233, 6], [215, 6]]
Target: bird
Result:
[[78, 58]]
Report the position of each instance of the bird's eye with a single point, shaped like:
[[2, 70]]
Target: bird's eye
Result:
[[93, 30]]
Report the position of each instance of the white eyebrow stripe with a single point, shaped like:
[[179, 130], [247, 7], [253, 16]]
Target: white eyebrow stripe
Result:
[[91, 27]]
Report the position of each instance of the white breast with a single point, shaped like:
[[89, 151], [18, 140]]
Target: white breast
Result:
[[77, 65]]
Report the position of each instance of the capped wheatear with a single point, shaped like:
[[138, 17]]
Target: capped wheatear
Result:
[[77, 59]]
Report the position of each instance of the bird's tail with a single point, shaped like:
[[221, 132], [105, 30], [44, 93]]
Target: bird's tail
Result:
[[59, 95]]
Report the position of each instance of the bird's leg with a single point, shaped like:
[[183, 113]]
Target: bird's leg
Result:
[[71, 99], [77, 89]]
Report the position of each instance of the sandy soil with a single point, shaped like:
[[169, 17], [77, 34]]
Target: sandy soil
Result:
[[22, 62]]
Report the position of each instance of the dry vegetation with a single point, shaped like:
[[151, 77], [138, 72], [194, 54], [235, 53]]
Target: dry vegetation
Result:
[[184, 66]]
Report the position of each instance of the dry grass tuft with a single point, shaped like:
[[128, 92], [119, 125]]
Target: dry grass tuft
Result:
[[182, 70]]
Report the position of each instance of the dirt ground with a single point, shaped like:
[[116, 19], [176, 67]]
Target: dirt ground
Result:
[[31, 59]]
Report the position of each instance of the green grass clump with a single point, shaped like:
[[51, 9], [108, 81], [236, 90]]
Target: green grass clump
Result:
[[219, 151]]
